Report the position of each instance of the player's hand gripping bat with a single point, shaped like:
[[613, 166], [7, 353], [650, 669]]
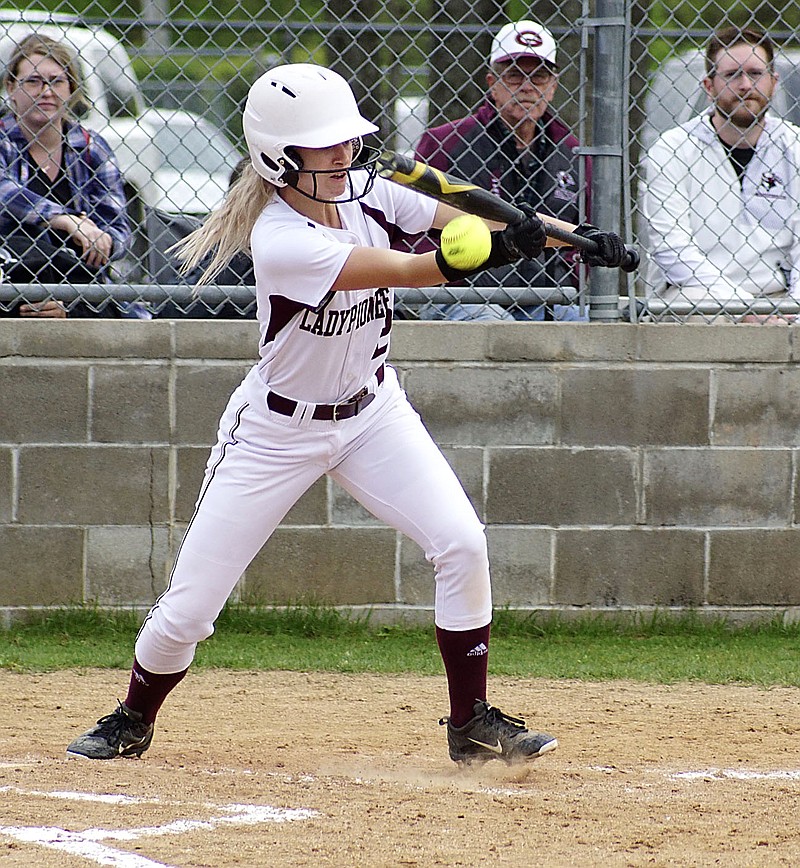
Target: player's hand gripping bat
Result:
[[475, 200]]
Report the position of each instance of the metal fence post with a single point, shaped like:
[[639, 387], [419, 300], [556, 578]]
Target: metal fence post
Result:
[[608, 118]]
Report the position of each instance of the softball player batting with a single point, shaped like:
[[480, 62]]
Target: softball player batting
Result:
[[323, 400]]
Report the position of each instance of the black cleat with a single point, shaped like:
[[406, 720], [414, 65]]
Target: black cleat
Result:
[[120, 733], [494, 735]]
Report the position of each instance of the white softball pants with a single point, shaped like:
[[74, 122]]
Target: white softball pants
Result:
[[258, 469]]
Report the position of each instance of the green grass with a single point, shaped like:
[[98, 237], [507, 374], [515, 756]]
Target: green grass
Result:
[[657, 648]]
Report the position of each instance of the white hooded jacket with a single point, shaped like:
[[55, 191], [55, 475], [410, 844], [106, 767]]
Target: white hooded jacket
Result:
[[709, 237]]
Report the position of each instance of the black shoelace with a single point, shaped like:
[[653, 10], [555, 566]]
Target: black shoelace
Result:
[[112, 725], [512, 725]]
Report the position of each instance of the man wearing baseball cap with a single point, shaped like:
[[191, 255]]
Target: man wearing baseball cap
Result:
[[514, 146], [524, 39]]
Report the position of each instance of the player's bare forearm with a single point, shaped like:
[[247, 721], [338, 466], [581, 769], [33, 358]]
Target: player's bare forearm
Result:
[[368, 267]]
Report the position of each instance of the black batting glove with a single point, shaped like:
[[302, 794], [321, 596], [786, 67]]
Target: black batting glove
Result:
[[526, 239], [610, 247]]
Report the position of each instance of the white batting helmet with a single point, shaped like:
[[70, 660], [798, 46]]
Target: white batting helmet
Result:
[[298, 105]]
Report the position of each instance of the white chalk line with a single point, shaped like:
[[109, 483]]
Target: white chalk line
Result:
[[711, 774], [87, 844], [103, 798], [76, 845], [737, 775]]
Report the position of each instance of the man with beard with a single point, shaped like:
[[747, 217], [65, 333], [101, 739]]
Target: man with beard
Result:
[[722, 190]]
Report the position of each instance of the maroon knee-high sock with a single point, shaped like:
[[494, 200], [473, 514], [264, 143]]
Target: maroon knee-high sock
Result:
[[147, 691], [466, 657]]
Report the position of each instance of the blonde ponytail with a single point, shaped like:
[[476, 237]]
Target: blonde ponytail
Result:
[[226, 231]]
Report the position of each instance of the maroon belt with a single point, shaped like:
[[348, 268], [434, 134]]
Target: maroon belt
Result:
[[328, 412]]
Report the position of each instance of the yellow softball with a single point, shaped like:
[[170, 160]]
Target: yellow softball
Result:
[[466, 242]]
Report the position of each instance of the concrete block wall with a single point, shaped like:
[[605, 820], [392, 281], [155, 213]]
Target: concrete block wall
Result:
[[615, 466]]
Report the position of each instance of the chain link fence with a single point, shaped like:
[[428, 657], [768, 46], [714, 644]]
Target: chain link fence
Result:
[[166, 80], [747, 230]]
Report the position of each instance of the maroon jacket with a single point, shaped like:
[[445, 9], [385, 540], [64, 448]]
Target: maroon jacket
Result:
[[481, 149]]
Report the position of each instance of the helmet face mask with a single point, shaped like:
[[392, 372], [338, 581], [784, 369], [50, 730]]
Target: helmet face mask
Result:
[[367, 163], [302, 105]]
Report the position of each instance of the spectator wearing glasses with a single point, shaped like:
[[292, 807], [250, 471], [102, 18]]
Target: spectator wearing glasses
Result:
[[515, 146], [62, 206], [722, 191]]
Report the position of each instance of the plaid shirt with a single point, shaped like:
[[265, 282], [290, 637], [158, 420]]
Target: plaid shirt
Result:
[[93, 175]]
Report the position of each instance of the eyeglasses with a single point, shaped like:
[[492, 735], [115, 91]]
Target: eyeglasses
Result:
[[36, 84], [515, 77], [755, 75]]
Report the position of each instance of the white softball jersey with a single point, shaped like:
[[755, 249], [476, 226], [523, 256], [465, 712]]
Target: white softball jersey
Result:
[[709, 236], [317, 345]]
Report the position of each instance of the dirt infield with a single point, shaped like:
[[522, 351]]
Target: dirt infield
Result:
[[294, 769]]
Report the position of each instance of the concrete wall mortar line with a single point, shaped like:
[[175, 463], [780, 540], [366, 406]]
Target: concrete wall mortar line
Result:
[[712, 399], [641, 497], [398, 567], [90, 403], [87, 591], [172, 483], [14, 485], [485, 480]]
